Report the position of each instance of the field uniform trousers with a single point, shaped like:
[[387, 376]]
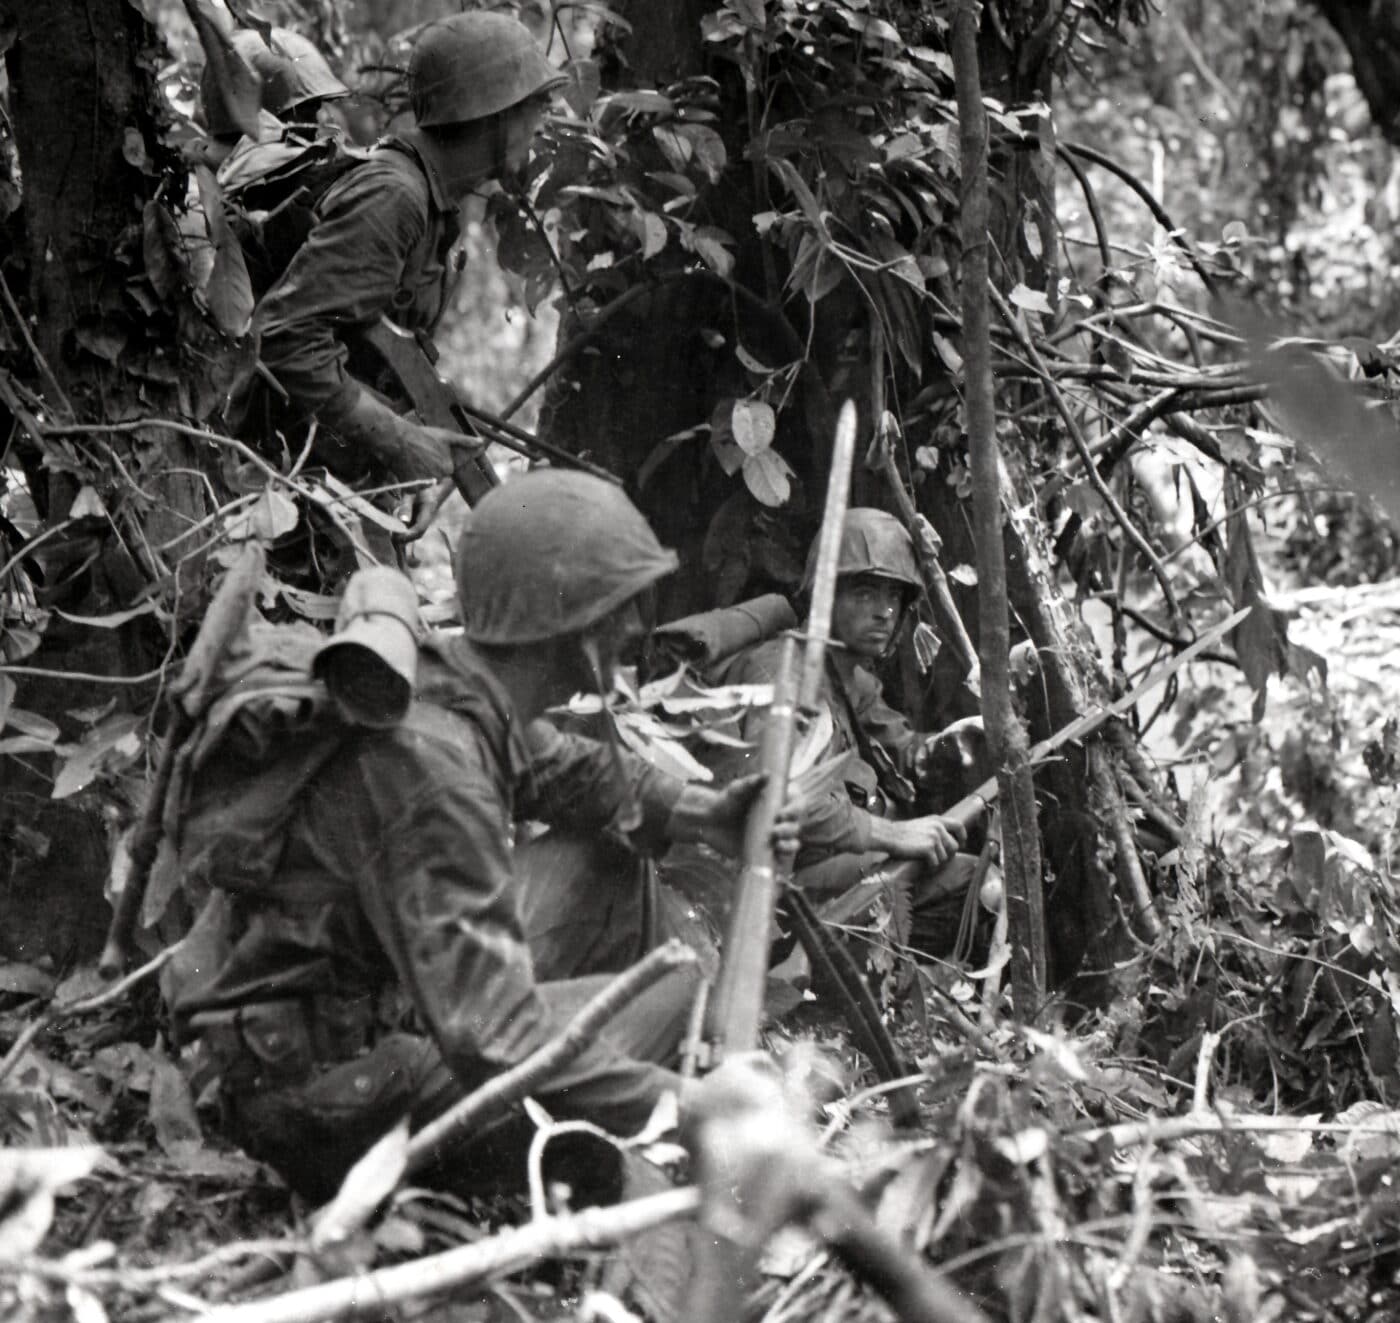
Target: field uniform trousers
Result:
[[584, 911]]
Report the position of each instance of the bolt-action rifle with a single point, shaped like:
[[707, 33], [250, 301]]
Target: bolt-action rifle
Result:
[[408, 359], [973, 805], [737, 1003]]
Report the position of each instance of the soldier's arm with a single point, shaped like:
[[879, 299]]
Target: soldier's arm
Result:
[[343, 277], [439, 894], [573, 782]]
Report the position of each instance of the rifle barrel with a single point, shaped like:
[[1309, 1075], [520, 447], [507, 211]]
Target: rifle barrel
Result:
[[737, 1003], [527, 444], [838, 490]]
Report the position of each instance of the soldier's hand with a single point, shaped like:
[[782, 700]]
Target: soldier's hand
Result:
[[933, 839], [716, 817], [422, 453]]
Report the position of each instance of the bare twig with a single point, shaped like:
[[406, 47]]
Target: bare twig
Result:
[[1076, 435], [940, 596], [40, 361], [1159, 212], [509, 1252], [544, 1064]]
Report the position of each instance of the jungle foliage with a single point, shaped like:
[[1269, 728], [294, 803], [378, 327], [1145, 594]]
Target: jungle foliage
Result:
[[743, 214]]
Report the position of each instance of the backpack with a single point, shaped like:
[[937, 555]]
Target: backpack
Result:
[[262, 730], [270, 191]]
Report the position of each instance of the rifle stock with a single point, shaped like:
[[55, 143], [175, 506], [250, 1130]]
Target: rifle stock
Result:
[[972, 805], [433, 402], [437, 405]]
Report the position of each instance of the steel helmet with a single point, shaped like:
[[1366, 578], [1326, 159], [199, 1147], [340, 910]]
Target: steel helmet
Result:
[[550, 553], [872, 542], [469, 66], [291, 70]]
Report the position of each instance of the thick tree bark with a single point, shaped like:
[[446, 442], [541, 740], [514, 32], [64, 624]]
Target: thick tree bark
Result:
[[82, 99], [81, 96]]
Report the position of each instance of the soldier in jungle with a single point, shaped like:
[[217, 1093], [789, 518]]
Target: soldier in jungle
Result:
[[296, 84], [893, 770], [401, 950], [379, 245]]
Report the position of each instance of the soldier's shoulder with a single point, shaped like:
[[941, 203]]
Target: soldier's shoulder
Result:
[[386, 177]]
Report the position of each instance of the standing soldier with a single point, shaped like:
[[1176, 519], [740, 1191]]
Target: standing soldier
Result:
[[379, 246], [386, 964]]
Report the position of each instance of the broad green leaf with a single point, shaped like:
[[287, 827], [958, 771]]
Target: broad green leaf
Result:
[[903, 146], [171, 1109], [753, 424], [7, 697], [1031, 234], [585, 82], [768, 476], [952, 360], [653, 233], [675, 146], [648, 102], [114, 742], [268, 518]]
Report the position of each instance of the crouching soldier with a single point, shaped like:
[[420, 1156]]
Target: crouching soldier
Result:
[[893, 770], [382, 968]]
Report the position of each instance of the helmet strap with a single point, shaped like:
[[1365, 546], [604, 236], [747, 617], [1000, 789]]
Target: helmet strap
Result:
[[629, 815]]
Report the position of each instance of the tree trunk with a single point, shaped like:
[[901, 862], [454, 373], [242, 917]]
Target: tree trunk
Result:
[[84, 105]]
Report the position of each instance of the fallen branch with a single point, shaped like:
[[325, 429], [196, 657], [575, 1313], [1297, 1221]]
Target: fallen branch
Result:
[[509, 1252], [578, 1035]]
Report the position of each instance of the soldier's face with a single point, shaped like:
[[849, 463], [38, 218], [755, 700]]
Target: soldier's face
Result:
[[519, 125], [865, 613]]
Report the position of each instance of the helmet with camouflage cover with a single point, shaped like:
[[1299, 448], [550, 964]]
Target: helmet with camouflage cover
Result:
[[470, 66], [550, 553], [291, 71], [872, 542]]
